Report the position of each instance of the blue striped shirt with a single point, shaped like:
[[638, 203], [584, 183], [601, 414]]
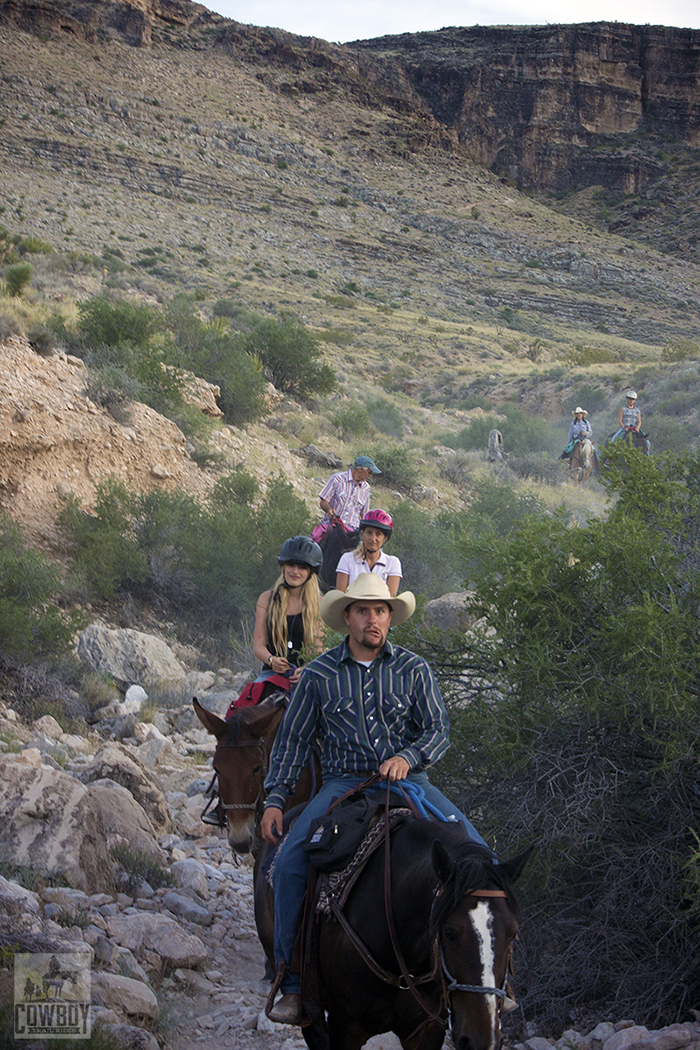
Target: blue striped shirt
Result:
[[362, 715]]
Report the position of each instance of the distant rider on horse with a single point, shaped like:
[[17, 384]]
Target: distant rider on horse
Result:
[[581, 431], [630, 418]]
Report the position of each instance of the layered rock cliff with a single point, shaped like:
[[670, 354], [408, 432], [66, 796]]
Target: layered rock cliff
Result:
[[558, 107]]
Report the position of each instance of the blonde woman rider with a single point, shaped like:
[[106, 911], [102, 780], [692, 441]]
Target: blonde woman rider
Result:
[[287, 617], [375, 529]]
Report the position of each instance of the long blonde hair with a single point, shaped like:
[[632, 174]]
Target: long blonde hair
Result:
[[277, 614]]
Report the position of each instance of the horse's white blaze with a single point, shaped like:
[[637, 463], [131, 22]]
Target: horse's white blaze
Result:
[[482, 921]]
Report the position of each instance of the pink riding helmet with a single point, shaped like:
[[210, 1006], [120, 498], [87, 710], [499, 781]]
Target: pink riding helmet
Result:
[[378, 519]]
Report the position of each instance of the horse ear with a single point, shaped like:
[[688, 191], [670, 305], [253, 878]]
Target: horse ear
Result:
[[209, 720], [442, 861], [513, 869]]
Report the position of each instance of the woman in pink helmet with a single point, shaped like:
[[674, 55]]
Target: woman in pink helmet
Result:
[[375, 529]]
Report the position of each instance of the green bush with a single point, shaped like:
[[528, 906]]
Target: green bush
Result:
[[215, 354], [386, 417], [18, 277], [205, 563], [291, 354], [397, 465], [31, 623], [574, 725], [118, 323], [668, 435], [522, 433], [104, 547], [238, 486], [352, 420], [425, 547]]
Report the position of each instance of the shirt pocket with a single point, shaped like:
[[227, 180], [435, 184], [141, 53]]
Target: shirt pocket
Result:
[[396, 710]]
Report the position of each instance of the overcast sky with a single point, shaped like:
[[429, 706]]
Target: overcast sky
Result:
[[343, 20]]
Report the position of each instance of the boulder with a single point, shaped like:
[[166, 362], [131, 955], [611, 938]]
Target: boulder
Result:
[[449, 612], [125, 995], [50, 822], [159, 934], [128, 1037], [128, 656], [126, 823], [190, 874], [115, 763]]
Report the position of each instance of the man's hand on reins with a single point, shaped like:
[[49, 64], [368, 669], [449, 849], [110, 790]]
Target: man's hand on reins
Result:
[[396, 768], [271, 825]]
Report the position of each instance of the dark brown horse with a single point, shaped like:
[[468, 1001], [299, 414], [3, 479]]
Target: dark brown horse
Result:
[[241, 757], [454, 919]]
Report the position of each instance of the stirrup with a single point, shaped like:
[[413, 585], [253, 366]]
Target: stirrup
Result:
[[215, 816]]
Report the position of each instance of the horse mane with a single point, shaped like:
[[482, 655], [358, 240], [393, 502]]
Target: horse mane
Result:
[[473, 870], [246, 717]]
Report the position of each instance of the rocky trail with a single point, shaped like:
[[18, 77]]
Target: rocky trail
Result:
[[176, 965]]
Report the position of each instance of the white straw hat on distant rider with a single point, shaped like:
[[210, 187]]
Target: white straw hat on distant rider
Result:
[[581, 410], [632, 394], [366, 587]]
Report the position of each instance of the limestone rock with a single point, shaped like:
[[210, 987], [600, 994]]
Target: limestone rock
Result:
[[125, 995], [49, 820], [449, 612], [160, 934], [114, 762], [128, 656], [126, 823]]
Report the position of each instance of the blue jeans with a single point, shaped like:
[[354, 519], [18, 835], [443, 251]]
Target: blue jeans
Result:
[[291, 869]]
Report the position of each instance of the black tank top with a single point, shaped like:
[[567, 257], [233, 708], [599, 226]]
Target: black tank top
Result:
[[295, 635]]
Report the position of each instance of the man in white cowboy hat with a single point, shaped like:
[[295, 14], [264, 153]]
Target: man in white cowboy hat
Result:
[[582, 431], [374, 706]]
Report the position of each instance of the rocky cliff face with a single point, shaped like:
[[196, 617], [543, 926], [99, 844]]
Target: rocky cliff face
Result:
[[558, 107], [92, 19]]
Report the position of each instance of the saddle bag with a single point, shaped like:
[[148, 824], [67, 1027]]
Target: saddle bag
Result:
[[333, 839]]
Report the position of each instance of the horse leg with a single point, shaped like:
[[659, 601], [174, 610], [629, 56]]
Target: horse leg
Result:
[[315, 1037], [345, 1033]]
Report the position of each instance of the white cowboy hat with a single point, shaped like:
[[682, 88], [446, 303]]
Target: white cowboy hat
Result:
[[367, 587], [581, 410]]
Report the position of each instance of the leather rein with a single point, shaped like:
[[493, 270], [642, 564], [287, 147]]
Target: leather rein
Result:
[[406, 981]]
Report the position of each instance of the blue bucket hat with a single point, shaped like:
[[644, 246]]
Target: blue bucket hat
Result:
[[368, 463]]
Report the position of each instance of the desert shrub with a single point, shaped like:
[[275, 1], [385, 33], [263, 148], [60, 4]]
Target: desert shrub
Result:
[[537, 468], [574, 722], [106, 323], [456, 467], [238, 486], [31, 623], [8, 326], [522, 433], [103, 544], [580, 356], [669, 435], [238, 316], [291, 354], [425, 547], [140, 867], [592, 398], [683, 350], [386, 417], [18, 277], [352, 420], [112, 388], [42, 341], [397, 465], [680, 404], [215, 354]]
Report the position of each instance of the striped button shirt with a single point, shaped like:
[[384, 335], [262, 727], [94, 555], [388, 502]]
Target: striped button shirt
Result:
[[348, 500], [362, 715]]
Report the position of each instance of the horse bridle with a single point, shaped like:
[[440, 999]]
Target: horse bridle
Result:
[[255, 806], [479, 989]]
